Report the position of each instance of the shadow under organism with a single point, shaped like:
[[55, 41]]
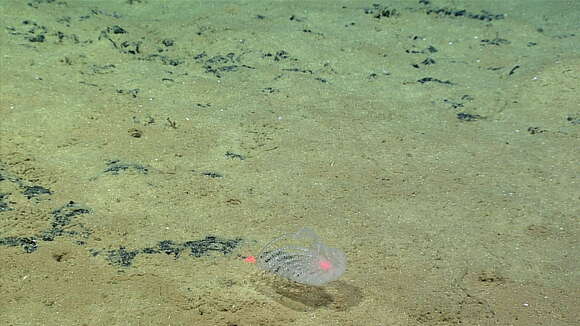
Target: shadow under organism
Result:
[[337, 295]]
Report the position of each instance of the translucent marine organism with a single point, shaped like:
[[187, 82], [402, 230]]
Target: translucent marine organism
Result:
[[303, 258]]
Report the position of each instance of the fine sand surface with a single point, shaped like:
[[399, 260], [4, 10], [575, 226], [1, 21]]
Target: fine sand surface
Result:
[[147, 147]]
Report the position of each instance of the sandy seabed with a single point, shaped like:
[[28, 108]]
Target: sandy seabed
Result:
[[148, 147]]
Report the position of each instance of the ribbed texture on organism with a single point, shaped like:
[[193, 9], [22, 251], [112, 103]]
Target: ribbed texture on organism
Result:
[[303, 258]]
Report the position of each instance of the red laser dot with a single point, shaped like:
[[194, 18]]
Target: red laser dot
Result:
[[250, 259]]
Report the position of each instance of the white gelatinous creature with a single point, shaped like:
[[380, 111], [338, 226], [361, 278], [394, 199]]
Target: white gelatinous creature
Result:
[[303, 258]]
